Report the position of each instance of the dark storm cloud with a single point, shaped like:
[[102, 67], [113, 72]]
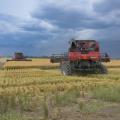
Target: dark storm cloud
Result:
[[61, 17], [68, 19], [31, 27], [107, 6], [7, 18]]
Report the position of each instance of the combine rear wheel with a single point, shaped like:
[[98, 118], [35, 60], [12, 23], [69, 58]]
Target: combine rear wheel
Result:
[[66, 68]]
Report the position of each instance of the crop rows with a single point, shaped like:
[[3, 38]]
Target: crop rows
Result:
[[37, 81]]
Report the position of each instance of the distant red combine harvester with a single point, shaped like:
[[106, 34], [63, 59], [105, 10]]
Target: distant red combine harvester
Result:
[[18, 56], [83, 55]]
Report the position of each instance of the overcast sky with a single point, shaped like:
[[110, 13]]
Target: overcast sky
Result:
[[43, 27]]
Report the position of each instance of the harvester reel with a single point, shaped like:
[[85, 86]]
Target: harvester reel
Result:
[[66, 68]]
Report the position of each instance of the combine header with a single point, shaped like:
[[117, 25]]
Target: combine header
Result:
[[82, 56], [19, 57]]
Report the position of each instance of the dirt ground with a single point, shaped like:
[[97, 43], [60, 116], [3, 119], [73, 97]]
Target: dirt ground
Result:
[[108, 113], [71, 113]]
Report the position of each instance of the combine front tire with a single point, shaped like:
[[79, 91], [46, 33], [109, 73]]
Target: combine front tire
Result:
[[66, 68]]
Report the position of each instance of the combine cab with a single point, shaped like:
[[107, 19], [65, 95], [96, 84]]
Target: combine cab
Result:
[[82, 56], [19, 57]]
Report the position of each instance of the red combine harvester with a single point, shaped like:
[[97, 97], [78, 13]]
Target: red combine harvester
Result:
[[18, 56], [82, 56]]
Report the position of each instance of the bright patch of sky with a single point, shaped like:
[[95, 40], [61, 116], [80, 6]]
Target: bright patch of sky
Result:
[[18, 8]]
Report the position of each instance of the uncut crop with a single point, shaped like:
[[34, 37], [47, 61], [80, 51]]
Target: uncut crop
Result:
[[35, 80]]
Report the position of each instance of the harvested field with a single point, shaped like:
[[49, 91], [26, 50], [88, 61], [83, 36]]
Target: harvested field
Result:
[[45, 94]]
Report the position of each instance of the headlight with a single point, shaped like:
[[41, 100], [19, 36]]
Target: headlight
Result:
[[93, 57]]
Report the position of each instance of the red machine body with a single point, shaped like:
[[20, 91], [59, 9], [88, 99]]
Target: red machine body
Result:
[[93, 56], [85, 50], [18, 56]]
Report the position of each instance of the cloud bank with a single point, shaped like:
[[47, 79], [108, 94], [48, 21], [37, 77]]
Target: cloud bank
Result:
[[51, 24]]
